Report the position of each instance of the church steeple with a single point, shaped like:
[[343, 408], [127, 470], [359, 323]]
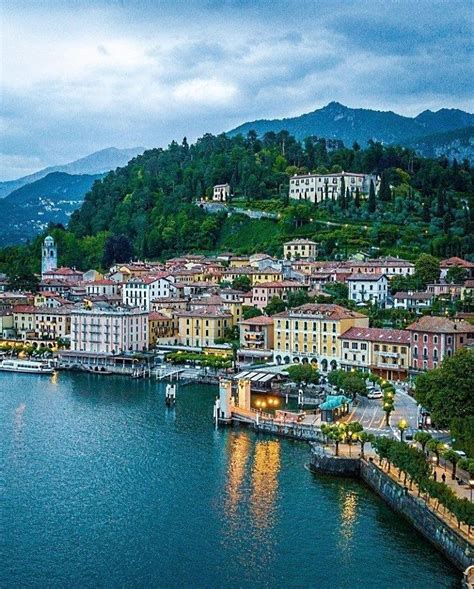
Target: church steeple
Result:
[[49, 255]]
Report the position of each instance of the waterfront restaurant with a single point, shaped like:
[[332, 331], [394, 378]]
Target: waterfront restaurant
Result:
[[334, 408]]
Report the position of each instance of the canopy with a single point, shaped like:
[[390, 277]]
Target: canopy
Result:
[[334, 402]]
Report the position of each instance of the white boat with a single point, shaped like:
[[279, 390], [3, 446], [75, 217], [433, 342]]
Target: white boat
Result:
[[31, 366]]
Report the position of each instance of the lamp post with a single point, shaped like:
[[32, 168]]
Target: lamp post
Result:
[[471, 486]]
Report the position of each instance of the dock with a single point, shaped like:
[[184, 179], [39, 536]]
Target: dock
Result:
[[229, 410]]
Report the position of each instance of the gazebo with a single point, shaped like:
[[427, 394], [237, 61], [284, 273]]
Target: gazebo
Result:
[[334, 407]]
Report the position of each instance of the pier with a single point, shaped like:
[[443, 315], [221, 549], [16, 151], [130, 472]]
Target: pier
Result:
[[230, 408]]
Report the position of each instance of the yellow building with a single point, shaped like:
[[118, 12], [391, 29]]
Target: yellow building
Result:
[[160, 326], [300, 249], [255, 275], [385, 352], [202, 327], [311, 333], [42, 322]]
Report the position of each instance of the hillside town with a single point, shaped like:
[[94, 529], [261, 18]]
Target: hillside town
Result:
[[256, 309]]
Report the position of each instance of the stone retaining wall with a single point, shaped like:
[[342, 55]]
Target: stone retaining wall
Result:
[[452, 544]]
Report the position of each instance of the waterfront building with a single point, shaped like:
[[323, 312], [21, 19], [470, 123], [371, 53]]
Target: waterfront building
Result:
[[6, 323], [385, 352], [221, 193], [42, 323], [104, 329], [264, 292], [318, 187], [368, 288], [201, 327], [300, 249], [311, 333], [432, 339], [49, 255], [161, 327]]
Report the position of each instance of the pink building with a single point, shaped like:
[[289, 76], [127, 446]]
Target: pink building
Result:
[[264, 292], [434, 338], [103, 329]]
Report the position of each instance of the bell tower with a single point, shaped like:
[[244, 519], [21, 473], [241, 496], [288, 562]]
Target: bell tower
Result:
[[49, 255]]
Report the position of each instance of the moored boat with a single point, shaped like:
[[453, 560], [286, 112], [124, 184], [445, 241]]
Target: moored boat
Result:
[[30, 366]]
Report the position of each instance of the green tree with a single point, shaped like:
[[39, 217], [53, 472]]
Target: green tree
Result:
[[372, 203], [276, 305], [385, 193], [447, 391], [242, 283], [303, 373], [251, 312], [456, 275], [454, 458], [427, 269], [422, 438]]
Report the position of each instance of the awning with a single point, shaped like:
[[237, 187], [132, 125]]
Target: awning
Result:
[[334, 402]]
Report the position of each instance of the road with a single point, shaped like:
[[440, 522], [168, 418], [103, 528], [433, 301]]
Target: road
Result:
[[370, 414]]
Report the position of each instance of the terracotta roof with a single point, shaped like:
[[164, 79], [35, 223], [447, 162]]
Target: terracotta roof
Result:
[[63, 271], [156, 316], [433, 324], [281, 284], [260, 320], [24, 309], [375, 334], [455, 261], [204, 312], [364, 277]]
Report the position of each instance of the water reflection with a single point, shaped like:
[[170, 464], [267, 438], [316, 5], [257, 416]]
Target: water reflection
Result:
[[238, 455], [266, 467], [18, 429], [349, 510]]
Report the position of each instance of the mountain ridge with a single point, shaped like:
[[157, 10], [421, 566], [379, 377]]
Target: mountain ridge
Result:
[[29, 209], [337, 121], [98, 162]]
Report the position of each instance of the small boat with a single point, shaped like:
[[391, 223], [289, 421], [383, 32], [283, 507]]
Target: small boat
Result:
[[30, 366]]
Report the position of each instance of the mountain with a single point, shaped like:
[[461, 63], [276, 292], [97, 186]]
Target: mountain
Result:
[[457, 145], [96, 163], [28, 210], [336, 121]]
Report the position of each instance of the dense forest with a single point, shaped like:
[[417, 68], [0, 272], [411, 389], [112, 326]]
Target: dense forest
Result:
[[150, 207]]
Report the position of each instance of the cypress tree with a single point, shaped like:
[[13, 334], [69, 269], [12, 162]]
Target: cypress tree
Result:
[[348, 197], [372, 203], [357, 198], [426, 213], [342, 195], [385, 194], [440, 203], [326, 191]]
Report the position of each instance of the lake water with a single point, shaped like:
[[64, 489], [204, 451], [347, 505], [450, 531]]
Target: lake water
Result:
[[103, 486]]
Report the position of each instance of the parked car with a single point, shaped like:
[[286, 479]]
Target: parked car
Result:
[[408, 435], [375, 395]]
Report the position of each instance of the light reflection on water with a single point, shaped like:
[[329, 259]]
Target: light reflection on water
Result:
[[106, 487]]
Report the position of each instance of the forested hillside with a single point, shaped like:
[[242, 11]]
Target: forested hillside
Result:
[[424, 205]]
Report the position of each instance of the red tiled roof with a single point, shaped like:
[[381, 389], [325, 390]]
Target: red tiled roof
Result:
[[455, 261], [434, 324], [260, 320], [375, 334]]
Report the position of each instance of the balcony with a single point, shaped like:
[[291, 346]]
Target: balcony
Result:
[[389, 366], [388, 354], [253, 336]]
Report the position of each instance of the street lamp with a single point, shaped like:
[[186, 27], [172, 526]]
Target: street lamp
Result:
[[471, 486], [402, 426]]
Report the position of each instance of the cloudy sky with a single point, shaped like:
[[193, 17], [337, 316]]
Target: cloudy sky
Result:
[[78, 76]]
